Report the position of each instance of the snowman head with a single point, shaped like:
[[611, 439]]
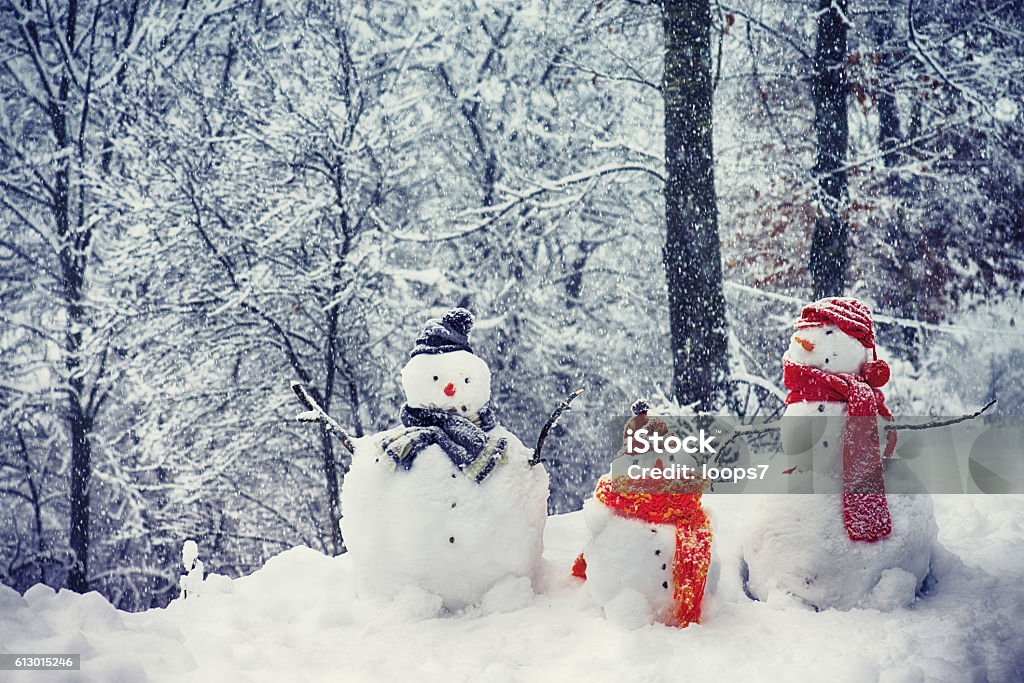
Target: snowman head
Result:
[[826, 347], [443, 373], [837, 334]]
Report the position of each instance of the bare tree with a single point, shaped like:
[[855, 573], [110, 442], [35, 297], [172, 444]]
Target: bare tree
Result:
[[59, 69], [829, 256], [66, 76], [693, 264]]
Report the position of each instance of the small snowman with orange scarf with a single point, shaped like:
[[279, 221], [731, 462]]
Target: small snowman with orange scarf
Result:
[[649, 549]]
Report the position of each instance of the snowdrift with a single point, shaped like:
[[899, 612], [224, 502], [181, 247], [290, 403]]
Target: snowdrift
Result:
[[297, 620]]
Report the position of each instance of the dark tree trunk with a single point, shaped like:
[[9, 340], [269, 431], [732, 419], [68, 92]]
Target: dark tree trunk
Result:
[[889, 135], [888, 126], [72, 262], [903, 284], [72, 267], [72, 272], [692, 259], [81, 473], [330, 461], [330, 465], [829, 256]]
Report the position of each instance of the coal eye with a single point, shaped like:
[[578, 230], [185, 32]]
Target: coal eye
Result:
[[828, 332], [435, 378], [467, 380]]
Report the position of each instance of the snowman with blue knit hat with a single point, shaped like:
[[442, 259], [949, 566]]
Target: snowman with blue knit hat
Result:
[[449, 504]]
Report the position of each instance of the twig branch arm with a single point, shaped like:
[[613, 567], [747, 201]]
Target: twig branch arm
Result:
[[749, 431], [314, 413], [940, 423], [777, 426], [552, 421]]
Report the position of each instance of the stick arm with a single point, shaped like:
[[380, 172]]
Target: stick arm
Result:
[[776, 426], [552, 421], [314, 413]]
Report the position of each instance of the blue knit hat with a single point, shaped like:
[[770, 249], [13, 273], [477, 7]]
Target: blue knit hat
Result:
[[446, 334]]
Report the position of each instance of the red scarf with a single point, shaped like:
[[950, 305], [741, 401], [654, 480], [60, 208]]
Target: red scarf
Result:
[[865, 509], [666, 502]]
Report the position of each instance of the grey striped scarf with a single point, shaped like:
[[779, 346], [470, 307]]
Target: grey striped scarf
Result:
[[463, 439]]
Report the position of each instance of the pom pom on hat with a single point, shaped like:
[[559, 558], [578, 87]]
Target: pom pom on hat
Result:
[[640, 420], [446, 334], [460, 320], [876, 373]]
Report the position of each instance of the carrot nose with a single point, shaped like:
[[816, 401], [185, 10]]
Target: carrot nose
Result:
[[808, 345], [449, 389]]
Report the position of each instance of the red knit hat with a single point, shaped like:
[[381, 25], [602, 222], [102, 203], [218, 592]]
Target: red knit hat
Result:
[[849, 315], [854, 319]]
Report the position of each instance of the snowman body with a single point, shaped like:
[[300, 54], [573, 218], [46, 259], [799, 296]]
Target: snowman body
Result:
[[631, 561], [796, 545], [431, 526]]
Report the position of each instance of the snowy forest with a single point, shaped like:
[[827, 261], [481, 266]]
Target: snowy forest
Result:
[[205, 201]]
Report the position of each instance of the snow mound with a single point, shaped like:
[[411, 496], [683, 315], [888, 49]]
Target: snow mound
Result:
[[297, 619]]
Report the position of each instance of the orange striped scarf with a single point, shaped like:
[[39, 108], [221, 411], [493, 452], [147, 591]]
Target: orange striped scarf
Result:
[[667, 502]]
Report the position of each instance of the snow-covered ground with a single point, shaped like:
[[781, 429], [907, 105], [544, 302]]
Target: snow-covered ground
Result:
[[297, 620]]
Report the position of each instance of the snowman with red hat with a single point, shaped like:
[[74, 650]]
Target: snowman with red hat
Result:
[[447, 510], [850, 544]]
